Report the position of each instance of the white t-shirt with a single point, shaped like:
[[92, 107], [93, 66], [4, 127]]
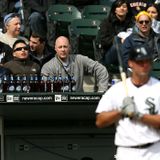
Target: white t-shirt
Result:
[[10, 41], [147, 99]]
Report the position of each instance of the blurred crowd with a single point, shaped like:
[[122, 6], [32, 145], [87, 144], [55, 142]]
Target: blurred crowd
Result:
[[25, 47]]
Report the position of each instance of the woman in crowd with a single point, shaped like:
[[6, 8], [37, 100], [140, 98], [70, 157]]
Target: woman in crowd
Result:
[[142, 35], [119, 20], [153, 10], [12, 27]]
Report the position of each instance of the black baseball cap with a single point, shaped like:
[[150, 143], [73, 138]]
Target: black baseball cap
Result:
[[139, 53]]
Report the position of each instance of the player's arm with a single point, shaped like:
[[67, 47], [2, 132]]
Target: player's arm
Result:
[[152, 120], [105, 119]]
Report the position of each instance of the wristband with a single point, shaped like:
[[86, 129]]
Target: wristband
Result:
[[140, 115]]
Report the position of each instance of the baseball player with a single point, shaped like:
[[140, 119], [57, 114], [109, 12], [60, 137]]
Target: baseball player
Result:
[[136, 114]]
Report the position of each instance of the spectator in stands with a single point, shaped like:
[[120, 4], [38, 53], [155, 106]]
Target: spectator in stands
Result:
[[40, 51], [12, 23], [21, 64], [27, 8], [35, 19], [67, 64], [143, 34], [138, 5], [38, 24], [119, 20], [6, 6], [5, 53], [153, 10]]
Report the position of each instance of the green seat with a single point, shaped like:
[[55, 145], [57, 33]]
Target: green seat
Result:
[[106, 2], [83, 35], [156, 69], [99, 12], [63, 12], [60, 16]]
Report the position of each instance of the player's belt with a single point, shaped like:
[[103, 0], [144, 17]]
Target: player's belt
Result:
[[143, 145]]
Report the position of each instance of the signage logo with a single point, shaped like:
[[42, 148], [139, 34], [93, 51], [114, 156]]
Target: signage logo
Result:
[[58, 98]]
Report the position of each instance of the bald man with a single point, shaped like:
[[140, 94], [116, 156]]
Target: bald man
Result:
[[68, 65]]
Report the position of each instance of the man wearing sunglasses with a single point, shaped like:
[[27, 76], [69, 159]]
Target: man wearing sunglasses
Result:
[[142, 34], [21, 64]]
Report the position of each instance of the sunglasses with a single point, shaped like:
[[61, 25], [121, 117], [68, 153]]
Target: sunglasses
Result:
[[21, 48], [145, 22]]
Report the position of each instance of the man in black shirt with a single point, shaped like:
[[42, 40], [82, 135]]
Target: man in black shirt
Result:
[[40, 51]]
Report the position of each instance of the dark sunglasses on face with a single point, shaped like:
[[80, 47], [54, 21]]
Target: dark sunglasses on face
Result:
[[145, 21], [21, 48]]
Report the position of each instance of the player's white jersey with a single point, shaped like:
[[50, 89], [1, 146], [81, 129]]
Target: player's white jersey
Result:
[[147, 99]]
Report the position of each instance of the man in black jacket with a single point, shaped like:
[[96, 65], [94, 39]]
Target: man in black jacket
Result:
[[21, 64], [40, 51]]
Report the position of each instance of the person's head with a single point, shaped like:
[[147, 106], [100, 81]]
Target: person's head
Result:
[[12, 24], [153, 10], [119, 9], [36, 43], [143, 22], [140, 60], [62, 47], [20, 49]]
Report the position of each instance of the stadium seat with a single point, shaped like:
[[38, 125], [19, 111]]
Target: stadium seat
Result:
[[107, 2], [83, 37], [60, 16], [96, 12]]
